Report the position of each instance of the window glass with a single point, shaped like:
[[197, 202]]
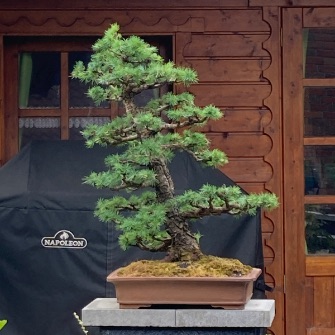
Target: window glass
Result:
[[77, 124], [43, 101], [319, 53], [38, 128], [78, 90], [144, 97], [320, 229], [39, 78], [319, 169], [319, 111]]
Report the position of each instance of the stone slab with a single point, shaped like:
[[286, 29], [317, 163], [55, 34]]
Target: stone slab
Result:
[[257, 313], [180, 331], [105, 312]]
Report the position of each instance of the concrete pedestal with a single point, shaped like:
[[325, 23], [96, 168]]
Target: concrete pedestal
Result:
[[105, 315]]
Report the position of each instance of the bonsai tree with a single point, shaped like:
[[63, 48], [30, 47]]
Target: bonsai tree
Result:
[[155, 219]]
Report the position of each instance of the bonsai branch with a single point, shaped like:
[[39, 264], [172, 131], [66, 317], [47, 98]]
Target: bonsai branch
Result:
[[163, 247]]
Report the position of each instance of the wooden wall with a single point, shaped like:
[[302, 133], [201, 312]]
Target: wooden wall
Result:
[[236, 51]]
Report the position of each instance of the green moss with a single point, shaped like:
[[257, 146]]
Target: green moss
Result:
[[207, 266]]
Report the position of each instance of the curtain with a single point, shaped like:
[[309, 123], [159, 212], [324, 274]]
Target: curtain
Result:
[[25, 71]]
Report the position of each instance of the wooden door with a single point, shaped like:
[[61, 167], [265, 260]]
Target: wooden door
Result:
[[309, 169]]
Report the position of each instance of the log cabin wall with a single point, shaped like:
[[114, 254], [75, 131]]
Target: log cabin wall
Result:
[[234, 47]]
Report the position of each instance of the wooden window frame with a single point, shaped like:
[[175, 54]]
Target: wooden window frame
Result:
[[13, 46], [319, 265]]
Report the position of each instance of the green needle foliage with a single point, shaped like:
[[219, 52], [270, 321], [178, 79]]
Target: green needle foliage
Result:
[[155, 219], [3, 323]]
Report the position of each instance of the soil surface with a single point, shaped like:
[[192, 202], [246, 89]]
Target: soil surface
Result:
[[207, 266]]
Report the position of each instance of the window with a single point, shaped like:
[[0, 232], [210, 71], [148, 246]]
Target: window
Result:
[[319, 139], [43, 102]]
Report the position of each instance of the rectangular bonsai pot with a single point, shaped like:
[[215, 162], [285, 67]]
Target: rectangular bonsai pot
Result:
[[224, 292]]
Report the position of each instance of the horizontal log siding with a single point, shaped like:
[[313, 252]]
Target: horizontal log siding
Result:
[[221, 40], [230, 68]]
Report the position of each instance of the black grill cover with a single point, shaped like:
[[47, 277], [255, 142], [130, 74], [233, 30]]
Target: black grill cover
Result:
[[55, 255]]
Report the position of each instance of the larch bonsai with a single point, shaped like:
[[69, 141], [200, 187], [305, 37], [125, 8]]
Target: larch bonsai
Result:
[[155, 219]]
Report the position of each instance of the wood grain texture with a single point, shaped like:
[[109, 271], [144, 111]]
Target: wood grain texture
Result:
[[232, 20], [320, 331], [225, 70], [319, 82], [240, 120], [309, 308], [117, 4], [253, 170], [319, 17], [252, 187], [324, 302], [273, 221], [227, 95], [134, 21], [291, 3], [226, 46], [50, 22], [241, 144], [320, 265], [293, 171]]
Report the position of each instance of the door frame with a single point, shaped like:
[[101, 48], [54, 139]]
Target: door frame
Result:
[[299, 267], [293, 205]]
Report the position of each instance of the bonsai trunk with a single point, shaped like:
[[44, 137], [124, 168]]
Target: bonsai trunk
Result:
[[184, 246]]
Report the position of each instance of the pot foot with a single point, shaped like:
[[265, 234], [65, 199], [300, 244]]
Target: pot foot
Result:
[[230, 307], [132, 306]]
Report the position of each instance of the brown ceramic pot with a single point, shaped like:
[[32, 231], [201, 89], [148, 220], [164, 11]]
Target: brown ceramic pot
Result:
[[225, 292]]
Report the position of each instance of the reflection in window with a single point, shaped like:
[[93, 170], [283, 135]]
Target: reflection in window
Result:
[[77, 124], [319, 53], [48, 128], [78, 90], [319, 111], [320, 229], [37, 128], [39, 79], [144, 97], [319, 162]]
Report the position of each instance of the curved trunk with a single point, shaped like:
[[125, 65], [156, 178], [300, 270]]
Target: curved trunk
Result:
[[184, 246], [165, 187], [130, 106]]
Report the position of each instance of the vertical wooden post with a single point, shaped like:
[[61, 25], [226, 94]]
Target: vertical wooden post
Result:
[[293, 172], [272, 15]]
